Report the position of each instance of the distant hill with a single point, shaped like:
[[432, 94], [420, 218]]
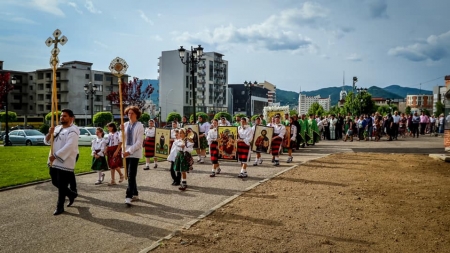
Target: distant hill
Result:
[[393, 92], [404, 91]]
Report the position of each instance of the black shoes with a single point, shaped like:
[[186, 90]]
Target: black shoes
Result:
[[146, 168], [242, 175], [183, 187], [156, 166], [71, 200], [58, 211]]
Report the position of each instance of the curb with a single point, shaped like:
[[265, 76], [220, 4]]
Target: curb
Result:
[[210, 211]]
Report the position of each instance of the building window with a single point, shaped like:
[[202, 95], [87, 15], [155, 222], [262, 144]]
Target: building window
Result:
[[48, 97], [58, 74], [40, 86], [31, 78], [31, 97], [48, 75], [187, 82], [31, 107], [211, 70], [40, 75], [98, 77], [98, 98], [47, 86], [40, 108], [17, 97], [98, 108], [31, 87], [99, 88], [187, 97], [86, 76], [40, 97], [108, 78], [48, 107]]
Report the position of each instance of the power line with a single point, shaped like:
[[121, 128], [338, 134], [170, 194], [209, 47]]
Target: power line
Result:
[[420, 84]]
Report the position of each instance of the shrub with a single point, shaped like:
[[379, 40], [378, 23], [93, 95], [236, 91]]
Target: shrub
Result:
[[172, 116], [223, 114]]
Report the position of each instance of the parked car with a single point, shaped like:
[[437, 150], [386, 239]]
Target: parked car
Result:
[[87, 134], [2, 135], [26, 137]]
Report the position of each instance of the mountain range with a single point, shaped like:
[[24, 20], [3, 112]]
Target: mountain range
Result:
[[392, 92]]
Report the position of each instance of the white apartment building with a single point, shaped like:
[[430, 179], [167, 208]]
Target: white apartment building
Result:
[[176, 88], [305, 102]]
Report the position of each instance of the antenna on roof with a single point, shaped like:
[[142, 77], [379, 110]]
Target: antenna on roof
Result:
[[343, 81]]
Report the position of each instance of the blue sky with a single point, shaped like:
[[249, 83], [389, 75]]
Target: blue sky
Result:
[[289, 43]]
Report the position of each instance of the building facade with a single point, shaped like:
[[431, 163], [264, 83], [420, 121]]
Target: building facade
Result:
[[176, 86], [246, 101], [438, 95], [305, 102], [420, 102]]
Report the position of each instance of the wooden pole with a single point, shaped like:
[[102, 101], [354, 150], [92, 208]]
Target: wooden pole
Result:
[[121, 123], [54, 104]]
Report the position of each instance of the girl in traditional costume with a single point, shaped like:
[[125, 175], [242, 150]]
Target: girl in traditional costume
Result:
[[278, 134], [149, 145], [261, 143], [114, 145], [99, 163], [245, 134], [292, 143], [214, 148], [181, 159], [203, 128]]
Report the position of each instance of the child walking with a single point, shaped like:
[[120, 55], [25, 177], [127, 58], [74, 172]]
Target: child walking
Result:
[[149, 145], [98, 148], [180, 159]]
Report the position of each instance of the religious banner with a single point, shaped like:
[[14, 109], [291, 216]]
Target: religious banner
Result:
[[262, 139], [162, 143], [287, 137], [195, 131], [227, 138], [271, 111]]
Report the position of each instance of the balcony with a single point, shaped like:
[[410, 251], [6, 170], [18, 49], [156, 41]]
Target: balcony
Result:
[[201, 81], [200, 96], [201, 88], [201, 65], [201, 73]]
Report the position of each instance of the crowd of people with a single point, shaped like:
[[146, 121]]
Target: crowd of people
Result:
[[290, 133]]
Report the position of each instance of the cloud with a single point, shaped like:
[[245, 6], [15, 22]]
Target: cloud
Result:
[[156, 37], [377, 8], [49, 6], [23, 20], [354, 57], [74, 5], [91, 8], [100, 44], [144, 17], [434, 48]]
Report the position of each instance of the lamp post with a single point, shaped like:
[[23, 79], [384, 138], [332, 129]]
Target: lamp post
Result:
[[360, 92], [6, 142], [248, 104], [90, 90], [192, 60], [355, 79], [388, 101]]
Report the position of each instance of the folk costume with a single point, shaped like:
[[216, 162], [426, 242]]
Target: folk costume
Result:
[[149, 147], [65, 150], [203, 128], [245, 134], [99, 164], [333, 123], [261, 144], [114, 158], [285, 145], [213, 151], [134, 137], [292, 144], [180, 160], [278, 134]]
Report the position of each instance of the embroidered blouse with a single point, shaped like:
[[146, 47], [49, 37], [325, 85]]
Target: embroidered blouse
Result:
[[150, 132], [98, 144]]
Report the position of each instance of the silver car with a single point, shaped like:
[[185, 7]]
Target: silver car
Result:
[[26, 137], [87, 134]]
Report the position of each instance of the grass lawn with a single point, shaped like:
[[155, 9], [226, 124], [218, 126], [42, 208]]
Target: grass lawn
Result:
[[25, 164]]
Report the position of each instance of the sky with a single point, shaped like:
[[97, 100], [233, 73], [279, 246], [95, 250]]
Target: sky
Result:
[[292, 44]]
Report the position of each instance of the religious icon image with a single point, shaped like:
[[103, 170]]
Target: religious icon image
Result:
[[227, 140], [162, 143], [193, 129], [262, 139]]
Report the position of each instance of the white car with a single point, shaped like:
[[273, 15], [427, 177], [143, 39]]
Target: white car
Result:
[[87, 134]]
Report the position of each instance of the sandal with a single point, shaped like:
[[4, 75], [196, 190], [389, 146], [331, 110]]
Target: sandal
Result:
[[121, 179], [112, 183]]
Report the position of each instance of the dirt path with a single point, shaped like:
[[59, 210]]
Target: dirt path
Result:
[[354, 202]]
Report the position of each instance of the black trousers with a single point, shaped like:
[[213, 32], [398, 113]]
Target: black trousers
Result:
[[423, 126], [132, 166], [72, 180], [394, 130], [327, 132], [415, 129], [176, 175], [60, 179], [338, 131]]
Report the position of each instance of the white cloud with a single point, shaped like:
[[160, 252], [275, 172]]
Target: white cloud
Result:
[[100, 44], [434, 48], [144, 17], [354, 57], [157, 38], [74, 5], [91, 8], [23, 20], [49, 6]]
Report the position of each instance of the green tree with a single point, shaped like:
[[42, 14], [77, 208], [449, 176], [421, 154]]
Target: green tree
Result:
[[426, 112], [408, 110], [12, 116], [358, 104], [439, 108], [172, 116], [291, 112], [204, 115], [48, 117], [44, 129], [145, 117], [385, 109], [223, 114], [316, 109], [102, 118]]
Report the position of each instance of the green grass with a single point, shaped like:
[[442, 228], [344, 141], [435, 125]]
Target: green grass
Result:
[[21, 165]]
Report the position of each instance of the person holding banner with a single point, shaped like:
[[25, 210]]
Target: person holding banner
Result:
[[214, 148], [278, 134], [245, 134], [259, 142], [114, 146], [134, 137], [149, 144], [203, 126], [61, 161]]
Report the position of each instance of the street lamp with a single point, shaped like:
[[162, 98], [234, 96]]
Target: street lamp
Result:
[[6, 142], [355, 79], [248, 104], [192, 60], [388, 101], [90, 90], [360, 92]]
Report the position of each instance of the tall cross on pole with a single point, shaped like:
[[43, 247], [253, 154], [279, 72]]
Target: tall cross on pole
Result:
[[54, 63], [118, 67]]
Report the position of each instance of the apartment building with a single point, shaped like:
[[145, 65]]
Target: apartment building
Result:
[[305, 102]]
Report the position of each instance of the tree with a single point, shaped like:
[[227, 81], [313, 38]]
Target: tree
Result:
[[198, 114], [291, 113], [12, 116], [172, 116], [316, 109], [102, 118], [408, 110], [48, 117], [358, 104], [132, 94], [145, 117], [439, 109], [5, 88], [385, 109], [223, 114]]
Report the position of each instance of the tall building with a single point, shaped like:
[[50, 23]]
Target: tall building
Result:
[[243, 102], [420, 102], [305, 102], [176, 86], [32, 93]]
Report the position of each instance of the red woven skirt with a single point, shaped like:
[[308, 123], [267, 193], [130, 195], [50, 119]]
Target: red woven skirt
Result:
[[214, 152], [149, 146], [275, 146], [243, 151], [114, 161]]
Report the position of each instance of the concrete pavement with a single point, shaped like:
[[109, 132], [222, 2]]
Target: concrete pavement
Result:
[[99, 221]]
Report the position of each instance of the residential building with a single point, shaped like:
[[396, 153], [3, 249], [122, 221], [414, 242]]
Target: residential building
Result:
[[243, 102], [305, 102], [176, 86], [420, 102], [438, 95]]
